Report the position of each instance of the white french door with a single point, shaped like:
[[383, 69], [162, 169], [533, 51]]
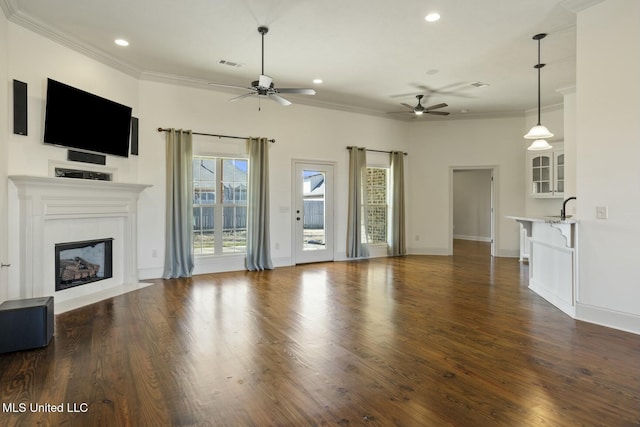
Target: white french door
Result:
[[312, 212]]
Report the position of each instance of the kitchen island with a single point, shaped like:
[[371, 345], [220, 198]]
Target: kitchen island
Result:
[[553, 259]]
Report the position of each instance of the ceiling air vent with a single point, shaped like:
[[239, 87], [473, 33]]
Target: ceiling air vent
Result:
[[230, 63]]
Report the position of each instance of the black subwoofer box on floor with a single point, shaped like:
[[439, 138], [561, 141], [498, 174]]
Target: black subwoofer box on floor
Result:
[[26, 324]]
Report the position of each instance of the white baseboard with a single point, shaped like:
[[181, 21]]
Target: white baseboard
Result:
[[473, 238], [428, 251], [612, 319], [150, 273], [509, 253], [563, 305]]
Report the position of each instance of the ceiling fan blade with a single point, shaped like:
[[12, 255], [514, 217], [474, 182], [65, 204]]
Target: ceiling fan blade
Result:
[[229, 86], [440, 91], [403, 95], [242, 96], [439, 113], [400, 112], [435, 107], [411, 107], [297, 91], [280, 100], [265, 81]]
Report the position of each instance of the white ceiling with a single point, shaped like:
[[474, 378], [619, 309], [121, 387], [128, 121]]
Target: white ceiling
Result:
[[367, 51]]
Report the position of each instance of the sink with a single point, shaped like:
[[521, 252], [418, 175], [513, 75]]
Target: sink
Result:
[[558, 216]]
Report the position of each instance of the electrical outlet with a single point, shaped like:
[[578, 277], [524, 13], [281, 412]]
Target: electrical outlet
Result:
[[154, 253], [417, 237], [277, 245], [602, 212]]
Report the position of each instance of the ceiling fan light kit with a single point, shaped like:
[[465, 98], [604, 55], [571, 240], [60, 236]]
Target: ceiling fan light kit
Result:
[[264, 86], [538, 132]]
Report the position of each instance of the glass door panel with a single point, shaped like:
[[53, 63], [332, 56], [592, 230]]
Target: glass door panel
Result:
[[313, 212]]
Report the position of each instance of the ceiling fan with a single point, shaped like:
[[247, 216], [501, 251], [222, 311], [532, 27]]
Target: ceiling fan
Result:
[[264, 85], [419, 109]]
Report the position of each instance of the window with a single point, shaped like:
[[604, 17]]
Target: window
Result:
[[377, 204], [219, 205]]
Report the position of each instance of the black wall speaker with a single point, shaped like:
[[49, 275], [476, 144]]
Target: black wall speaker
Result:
[[79, 156], [134, 136], [19, 107]]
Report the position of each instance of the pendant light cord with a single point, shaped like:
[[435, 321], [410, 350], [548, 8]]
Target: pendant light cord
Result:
[[539, 37], [538, 67]]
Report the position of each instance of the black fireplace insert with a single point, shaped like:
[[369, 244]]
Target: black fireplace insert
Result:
[[79, 263]]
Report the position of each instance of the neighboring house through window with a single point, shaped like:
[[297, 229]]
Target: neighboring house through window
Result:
[[219, 205], [377, 204]]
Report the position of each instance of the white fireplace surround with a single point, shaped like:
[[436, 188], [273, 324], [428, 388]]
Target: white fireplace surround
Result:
[[56, 210]]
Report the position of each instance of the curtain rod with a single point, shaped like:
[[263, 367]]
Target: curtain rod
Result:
[[376, 151], [216, 135]]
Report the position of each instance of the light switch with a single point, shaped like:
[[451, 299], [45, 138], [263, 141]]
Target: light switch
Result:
[[602, 212]]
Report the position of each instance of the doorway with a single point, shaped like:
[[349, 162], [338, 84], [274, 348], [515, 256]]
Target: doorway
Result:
[[472, 204], [312, 212]]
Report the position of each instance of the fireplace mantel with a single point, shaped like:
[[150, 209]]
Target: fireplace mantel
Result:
[[54, 209]]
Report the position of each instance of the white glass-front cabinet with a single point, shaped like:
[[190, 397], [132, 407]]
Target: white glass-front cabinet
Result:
[[546, 172]]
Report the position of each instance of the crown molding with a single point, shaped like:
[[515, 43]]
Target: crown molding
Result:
[[8, 7], [576, 6], [26, 21]]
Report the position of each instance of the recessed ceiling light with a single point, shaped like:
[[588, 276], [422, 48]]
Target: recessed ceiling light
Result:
[[317, 81], [121, 42], [432, 17]]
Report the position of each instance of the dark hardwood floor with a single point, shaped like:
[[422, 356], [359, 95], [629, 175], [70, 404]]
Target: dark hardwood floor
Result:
[[408, 341]]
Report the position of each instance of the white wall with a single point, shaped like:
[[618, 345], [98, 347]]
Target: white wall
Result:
[[472, 204], [32, 59], [570, 146], [4, 157], [608, 158], [435, 147], [301, 132]]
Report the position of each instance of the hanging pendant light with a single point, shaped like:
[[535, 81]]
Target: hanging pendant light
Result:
[[539, 132], [539, 145]]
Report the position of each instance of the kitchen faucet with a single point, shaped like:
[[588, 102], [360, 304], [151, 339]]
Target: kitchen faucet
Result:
[[563, 212]]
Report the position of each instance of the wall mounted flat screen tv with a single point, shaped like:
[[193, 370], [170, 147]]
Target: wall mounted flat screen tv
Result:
[[78, 119]]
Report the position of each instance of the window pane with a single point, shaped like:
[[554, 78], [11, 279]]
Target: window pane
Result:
[[376, 231], [377, 224], [204, 181], [234, 234], [212, 175], [546, 174], [204, 243], [234, 181]]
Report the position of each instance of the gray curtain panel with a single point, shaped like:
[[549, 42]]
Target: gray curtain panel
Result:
[[178, 260], [397, 242], [258, 235], [357, 214]]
